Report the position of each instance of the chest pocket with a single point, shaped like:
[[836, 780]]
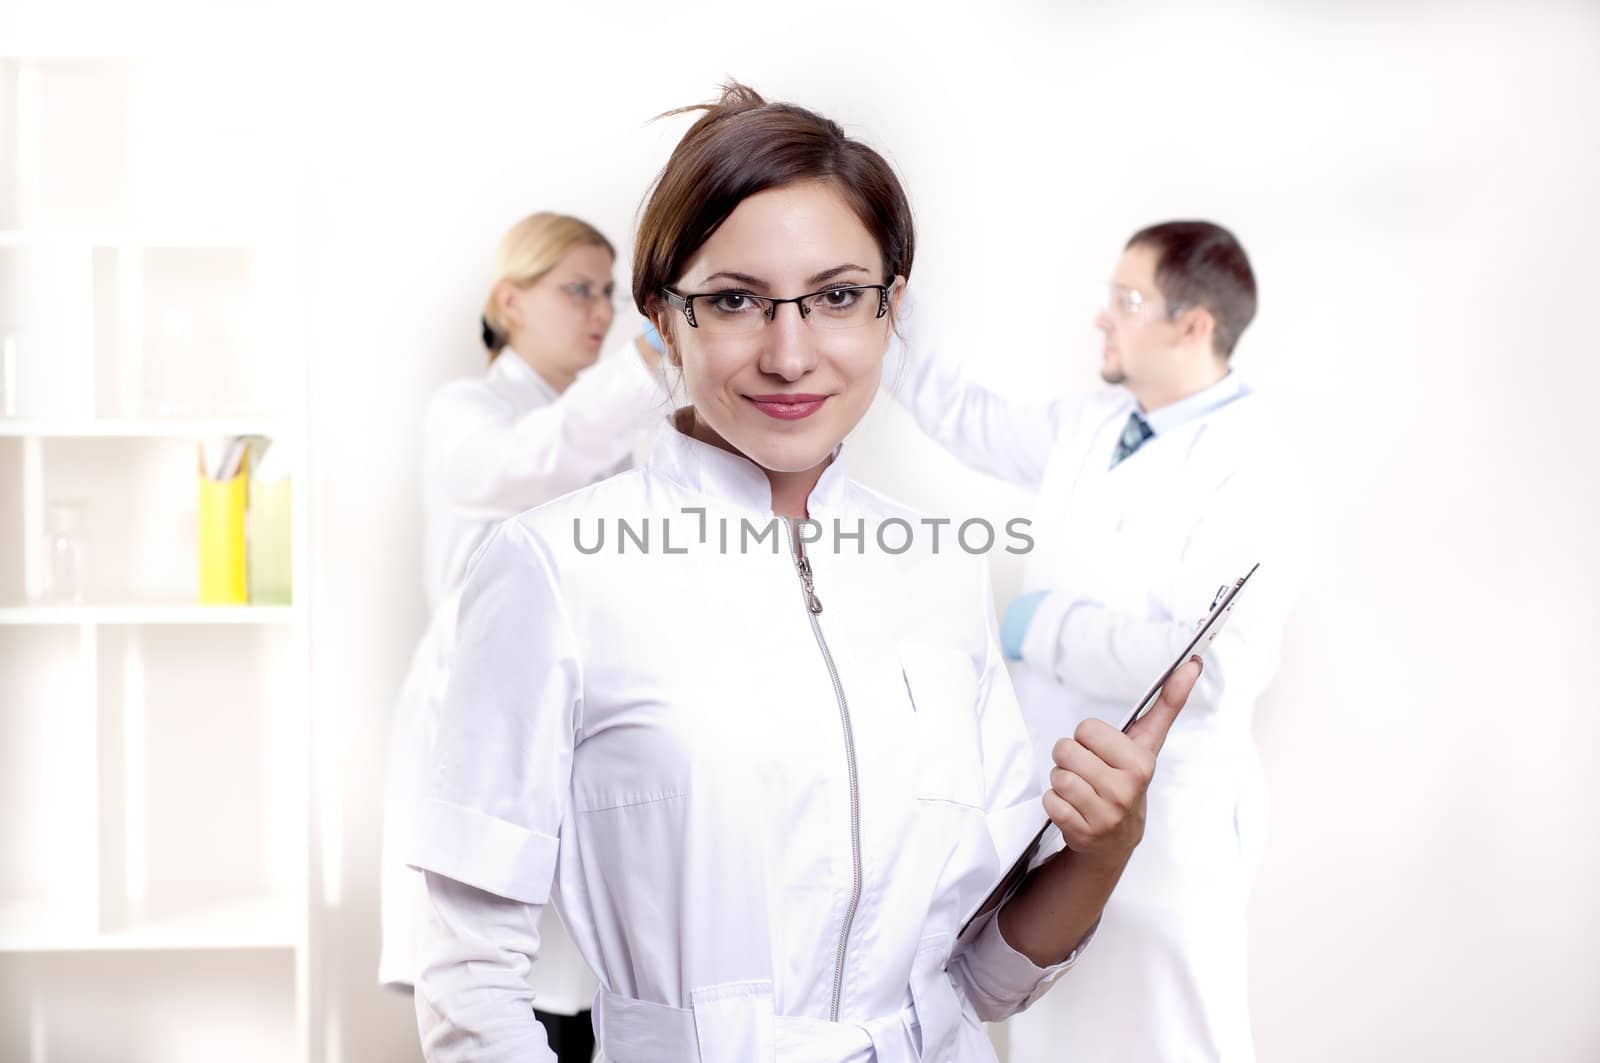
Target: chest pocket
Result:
[[942, 690]]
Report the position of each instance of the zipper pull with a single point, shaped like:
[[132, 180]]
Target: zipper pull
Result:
[[803, 563]]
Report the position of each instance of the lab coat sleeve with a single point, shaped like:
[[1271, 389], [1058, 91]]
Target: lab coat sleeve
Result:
[[496, 790], [1257, 514], [491, 462], [999, 980], [1004, 437], [473, 1001]]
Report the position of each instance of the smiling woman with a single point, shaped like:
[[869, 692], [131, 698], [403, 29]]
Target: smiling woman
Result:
[[763, 788], [745, 357], [749, 177]]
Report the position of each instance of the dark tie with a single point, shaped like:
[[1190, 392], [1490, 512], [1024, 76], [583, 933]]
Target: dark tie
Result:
[[1134, 433]]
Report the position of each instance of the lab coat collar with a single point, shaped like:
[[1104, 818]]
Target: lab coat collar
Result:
[[733, 478], [1206, 401], [509, 368]]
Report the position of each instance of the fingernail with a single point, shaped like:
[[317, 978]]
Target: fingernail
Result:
[[1196, 659]]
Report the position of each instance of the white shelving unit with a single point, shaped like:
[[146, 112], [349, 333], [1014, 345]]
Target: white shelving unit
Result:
[[175, 613], [155, 779]]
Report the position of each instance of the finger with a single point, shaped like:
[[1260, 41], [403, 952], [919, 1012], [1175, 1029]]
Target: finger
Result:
[[1114, 748], [1109, 784], [1151, 730], [1072, 788], [1067, 819]]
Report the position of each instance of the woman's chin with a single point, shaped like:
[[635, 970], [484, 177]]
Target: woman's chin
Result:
[[790, 449]]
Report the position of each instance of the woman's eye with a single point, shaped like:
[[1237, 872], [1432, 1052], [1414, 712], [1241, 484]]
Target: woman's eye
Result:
[[732, 303], [838, 298]]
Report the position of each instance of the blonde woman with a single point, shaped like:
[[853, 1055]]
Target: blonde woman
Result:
[[548, 416]]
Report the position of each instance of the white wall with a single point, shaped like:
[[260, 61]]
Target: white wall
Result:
[[1415, 185]]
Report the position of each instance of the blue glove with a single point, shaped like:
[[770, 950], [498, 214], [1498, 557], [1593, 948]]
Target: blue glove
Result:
[[653, 338], [1014, 625]]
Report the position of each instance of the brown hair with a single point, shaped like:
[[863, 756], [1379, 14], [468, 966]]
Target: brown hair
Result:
[[1199, 263], [743, 145], [527, 252]]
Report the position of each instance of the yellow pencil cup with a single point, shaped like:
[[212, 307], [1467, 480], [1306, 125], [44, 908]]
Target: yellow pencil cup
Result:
[[222, 552]]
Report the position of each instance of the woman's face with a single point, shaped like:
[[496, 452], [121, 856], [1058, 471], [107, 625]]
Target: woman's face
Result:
[[558, 322], [785, 394]]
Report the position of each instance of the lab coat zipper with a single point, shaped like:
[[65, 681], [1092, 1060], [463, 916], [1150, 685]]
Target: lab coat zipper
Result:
[[813, 606]]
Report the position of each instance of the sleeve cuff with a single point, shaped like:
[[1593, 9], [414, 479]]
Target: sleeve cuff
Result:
[[1040, 646], [1010, 974], [485, 852]]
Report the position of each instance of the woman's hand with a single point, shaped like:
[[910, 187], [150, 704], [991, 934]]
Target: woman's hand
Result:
[[1097, 787]]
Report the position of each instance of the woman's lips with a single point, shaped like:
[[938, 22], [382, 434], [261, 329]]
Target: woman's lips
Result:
[[788, 407]]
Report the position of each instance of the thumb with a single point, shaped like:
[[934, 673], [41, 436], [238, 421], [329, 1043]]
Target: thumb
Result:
[[1150, 731]]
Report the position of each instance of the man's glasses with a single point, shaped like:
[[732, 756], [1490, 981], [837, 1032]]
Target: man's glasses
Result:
[[1134, 305], [739, 313]]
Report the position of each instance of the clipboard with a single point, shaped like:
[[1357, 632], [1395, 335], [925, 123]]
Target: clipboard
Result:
[[1205, 633]]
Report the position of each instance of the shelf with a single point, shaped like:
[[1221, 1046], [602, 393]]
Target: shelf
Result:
[[148, 782], [254, 923], [137, 615], [155, 771], [49, 789], [149, 1007], [138, 498], [84, 237], [147, 428]]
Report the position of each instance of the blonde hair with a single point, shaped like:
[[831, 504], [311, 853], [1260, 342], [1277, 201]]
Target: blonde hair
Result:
[[527, 252]]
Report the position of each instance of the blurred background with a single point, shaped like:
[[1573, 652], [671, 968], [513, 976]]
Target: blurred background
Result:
[[272, 224]]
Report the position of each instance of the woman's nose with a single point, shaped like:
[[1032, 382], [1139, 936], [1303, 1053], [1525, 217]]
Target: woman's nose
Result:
[[787, 347]]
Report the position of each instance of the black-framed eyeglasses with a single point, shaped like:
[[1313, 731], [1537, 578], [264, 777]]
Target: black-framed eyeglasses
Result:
[[729, 313]]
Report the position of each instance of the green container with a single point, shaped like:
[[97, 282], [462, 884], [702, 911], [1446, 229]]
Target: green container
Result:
[[270, 564]]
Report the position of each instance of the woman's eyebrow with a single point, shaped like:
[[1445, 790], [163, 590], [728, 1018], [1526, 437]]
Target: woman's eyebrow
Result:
[[742, 278], [829, 274], [816, 278]]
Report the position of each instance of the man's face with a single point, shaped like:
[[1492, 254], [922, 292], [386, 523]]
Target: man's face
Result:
[[1141, 335]]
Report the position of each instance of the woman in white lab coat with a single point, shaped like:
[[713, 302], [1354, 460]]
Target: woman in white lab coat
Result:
[[729, 713], [549, 415]]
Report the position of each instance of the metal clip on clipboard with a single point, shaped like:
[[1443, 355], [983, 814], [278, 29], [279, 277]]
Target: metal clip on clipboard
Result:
[[1206, 632]]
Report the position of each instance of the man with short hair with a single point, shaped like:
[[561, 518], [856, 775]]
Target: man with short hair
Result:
[[1152, 493]]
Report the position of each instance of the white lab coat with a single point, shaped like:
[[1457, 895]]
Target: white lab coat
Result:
[[1132, 557], [494, 446], [762, 826]]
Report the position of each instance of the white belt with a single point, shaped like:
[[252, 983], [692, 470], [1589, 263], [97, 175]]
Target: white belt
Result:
[[740, 1027]]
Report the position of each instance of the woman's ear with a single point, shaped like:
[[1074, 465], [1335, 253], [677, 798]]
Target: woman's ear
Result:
[[505, 299], [896, 299], [662, 318]]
